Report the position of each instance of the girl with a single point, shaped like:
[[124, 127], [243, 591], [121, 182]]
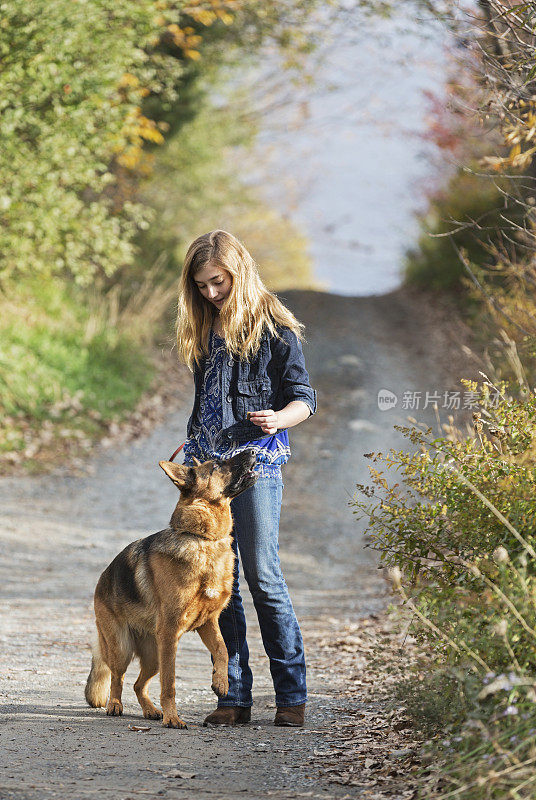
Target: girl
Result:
[[243, 346]]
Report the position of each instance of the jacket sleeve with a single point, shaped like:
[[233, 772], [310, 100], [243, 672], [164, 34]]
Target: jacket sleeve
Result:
[[295, 383]]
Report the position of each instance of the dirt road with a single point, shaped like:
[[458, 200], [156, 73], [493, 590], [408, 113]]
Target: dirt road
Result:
[[59, 531]]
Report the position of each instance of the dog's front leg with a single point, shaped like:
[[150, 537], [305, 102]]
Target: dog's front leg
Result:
[[212, 639], [167, 637]]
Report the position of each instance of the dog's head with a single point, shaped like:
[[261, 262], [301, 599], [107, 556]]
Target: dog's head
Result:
[[213, 480]]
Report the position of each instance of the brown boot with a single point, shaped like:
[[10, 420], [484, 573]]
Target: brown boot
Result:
[[290, 716], [228, 715]]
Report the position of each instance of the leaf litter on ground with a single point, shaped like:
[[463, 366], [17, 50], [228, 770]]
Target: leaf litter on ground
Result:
[[370, 745]]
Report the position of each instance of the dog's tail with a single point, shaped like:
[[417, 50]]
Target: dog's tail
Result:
[[98, 682]]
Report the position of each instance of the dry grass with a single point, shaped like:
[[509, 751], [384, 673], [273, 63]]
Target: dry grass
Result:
[[140, 315]]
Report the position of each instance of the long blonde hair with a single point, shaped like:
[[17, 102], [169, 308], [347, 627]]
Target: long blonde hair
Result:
[[249, 309]]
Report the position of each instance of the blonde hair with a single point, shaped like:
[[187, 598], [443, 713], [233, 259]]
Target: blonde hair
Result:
[[249, 309]]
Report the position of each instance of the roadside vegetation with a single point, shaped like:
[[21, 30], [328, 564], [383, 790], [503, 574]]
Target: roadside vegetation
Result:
[[454, 516], [109, 167], [477, 238]]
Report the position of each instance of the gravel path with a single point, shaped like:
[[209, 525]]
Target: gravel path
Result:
[[59, 531]]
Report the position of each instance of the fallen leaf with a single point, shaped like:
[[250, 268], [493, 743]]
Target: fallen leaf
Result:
[[176, 773]]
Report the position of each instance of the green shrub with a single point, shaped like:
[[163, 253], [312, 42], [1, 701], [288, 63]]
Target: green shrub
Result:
[[61, 358], [467, 199], [458, 530], [436, 703], [67, 114], [79, 131]]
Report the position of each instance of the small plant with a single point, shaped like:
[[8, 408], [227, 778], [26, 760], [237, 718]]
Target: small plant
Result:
[[458, 532]]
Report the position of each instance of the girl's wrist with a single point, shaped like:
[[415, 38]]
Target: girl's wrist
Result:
[[295, 412]]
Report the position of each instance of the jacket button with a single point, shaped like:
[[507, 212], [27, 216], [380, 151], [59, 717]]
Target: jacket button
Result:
[[228, 398], [230, 363]]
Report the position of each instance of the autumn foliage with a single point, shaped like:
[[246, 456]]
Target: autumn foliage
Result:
[[76, 79]]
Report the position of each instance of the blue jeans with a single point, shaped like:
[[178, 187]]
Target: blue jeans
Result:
[[256, 531]]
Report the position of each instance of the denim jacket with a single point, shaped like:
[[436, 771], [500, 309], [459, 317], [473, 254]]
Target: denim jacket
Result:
[[271, 379]]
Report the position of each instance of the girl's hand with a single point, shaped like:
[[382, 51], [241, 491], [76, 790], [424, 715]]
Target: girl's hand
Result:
[[268, 420]]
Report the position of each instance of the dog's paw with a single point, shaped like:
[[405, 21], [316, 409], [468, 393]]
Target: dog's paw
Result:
[[220, 685], [174, 722], [152, 713], [114, 708]]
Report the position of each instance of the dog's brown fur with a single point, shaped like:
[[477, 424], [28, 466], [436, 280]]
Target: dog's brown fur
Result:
[[174, 581]]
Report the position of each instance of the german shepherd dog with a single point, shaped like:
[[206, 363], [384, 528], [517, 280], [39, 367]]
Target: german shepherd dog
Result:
[[177, 580]]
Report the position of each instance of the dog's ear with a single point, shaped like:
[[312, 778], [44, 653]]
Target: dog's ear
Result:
[[180, 474]]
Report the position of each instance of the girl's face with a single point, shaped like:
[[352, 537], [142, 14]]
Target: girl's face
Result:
[[214, 283]]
